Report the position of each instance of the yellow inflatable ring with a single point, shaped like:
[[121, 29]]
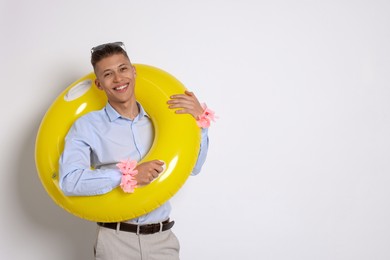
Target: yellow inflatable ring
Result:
[[176, 142]]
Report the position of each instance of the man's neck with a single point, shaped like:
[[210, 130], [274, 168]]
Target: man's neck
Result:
[[128, 110]]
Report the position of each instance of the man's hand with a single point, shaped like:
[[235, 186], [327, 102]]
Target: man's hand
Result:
[[187, 104], [148, 171]]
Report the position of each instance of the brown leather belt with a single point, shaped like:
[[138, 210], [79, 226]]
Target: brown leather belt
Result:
[[139, 229]]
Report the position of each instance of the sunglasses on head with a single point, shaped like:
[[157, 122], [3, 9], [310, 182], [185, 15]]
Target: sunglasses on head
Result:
[[101, 46]]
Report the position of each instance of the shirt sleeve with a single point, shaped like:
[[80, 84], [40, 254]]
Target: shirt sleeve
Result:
[[204, 146], [77, 178]]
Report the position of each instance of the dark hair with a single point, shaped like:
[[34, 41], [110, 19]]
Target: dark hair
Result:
[[106, 50]]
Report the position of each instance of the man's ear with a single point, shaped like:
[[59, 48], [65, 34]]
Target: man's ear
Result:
[[97, 83], [134, 70]]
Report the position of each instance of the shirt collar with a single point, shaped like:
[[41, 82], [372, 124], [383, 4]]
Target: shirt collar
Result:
[[113, 114]]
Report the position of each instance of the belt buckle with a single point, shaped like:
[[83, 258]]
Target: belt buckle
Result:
[[152, 228]]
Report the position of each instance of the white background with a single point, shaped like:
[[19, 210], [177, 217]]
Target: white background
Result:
[[298, 166]]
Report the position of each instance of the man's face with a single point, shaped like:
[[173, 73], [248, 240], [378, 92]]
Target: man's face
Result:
[[116, 76]]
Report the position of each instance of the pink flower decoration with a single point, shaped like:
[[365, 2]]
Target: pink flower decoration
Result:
[[127, 168], [206, 117], [128, 183]]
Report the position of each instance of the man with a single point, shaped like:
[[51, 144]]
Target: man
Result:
[[122, 130]]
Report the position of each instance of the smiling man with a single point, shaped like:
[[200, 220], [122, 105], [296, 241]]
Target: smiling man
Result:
[[122, 129]]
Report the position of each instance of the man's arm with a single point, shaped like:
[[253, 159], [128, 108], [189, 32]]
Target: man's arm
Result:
[[188, 103], [77, 178], [204, 146]]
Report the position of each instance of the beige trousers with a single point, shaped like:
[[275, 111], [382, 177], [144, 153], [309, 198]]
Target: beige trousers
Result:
[[121, 245]]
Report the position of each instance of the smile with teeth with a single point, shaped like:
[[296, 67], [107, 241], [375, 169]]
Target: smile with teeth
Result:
[[120, 87]]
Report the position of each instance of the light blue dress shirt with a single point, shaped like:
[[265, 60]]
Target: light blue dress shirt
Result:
[[101, 139]]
